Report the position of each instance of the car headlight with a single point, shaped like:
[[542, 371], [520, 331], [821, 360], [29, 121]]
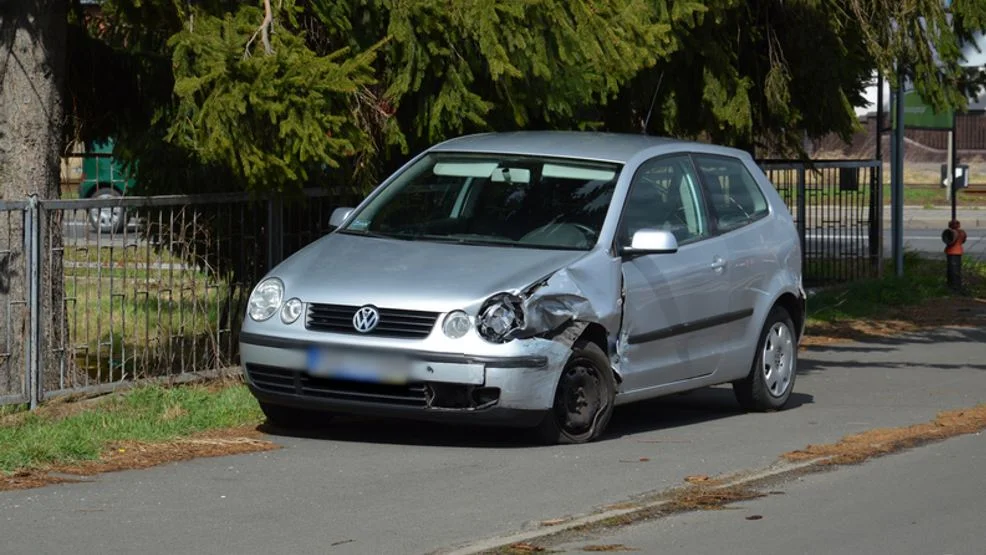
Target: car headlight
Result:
[[291, 311], [500, 316], [265, 299], [456, 324]]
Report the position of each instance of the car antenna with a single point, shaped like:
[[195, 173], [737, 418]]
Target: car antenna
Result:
[[652, 101]]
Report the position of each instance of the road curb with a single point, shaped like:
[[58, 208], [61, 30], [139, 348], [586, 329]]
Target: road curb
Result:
[[663, 499]]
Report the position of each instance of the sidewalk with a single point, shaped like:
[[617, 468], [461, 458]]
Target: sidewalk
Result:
[[928, 500], [916, 217]]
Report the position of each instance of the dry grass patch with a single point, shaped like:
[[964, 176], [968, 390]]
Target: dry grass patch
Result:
[[857, 448], [133, 455]]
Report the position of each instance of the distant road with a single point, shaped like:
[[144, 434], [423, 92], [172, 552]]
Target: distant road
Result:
[[926, 241]]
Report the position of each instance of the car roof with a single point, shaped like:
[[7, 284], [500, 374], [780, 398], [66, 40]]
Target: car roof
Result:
[[609, 147]]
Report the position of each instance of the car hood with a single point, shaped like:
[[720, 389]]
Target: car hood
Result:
[[412, 275]]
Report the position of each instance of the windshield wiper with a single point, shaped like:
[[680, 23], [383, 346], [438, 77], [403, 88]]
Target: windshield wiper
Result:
[[377, 234], [463, 240]]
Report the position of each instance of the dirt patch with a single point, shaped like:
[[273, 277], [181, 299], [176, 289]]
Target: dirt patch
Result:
[[857, 448], [953, 312], [29, 480], [132, 455]]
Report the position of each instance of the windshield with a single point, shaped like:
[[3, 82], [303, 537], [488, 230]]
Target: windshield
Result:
[[509, 200]]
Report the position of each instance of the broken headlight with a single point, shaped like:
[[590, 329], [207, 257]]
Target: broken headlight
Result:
[[500, 316]]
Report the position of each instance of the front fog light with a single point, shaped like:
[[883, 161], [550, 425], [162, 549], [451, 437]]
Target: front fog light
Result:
[[291, 311], [456, 324], [265, 299]]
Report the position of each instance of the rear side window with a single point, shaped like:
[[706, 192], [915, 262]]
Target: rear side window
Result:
[[734, 196]]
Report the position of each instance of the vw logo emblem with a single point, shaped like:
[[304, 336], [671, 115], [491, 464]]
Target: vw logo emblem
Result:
[[366, 319]]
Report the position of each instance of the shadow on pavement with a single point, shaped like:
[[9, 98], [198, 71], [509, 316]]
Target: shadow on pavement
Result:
[[665, 413], [886, 353]]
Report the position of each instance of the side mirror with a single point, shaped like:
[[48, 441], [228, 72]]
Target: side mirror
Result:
[[339, 216], [651, 241]]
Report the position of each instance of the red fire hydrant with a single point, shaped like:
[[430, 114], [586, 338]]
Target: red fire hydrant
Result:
[[954, 237]]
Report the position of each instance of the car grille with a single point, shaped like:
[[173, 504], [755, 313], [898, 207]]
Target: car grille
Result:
[[408, 324], [283, 380]]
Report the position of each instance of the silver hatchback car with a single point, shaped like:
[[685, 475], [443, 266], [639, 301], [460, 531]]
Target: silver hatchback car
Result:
[[536, 279]]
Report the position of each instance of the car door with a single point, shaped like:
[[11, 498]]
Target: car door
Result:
[[740, 214], [673, 301]]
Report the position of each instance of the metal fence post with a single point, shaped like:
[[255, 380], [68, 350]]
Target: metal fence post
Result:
[[876, 219], [275, 231], [802, 216], [32, 238]]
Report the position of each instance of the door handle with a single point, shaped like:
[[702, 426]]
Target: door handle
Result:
[[718, 264]]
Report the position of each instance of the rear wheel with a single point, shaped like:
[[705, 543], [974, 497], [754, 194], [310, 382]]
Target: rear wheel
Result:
[[584, 398], [107, 219], [294, 418], [775, 367]]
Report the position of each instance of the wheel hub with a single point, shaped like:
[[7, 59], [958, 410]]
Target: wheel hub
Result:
[[778, 351], [581, 398]]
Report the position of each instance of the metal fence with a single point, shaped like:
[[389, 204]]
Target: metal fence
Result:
[[838, 206], [160, 296], [163, 294]]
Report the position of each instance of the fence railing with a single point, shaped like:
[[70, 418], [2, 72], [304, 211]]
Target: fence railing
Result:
[[838, 206], [162, 294]]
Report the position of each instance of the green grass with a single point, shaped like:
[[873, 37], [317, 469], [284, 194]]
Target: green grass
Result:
[[141, 331], [118, 256], [923, 281], [127, 319], [37, 441]]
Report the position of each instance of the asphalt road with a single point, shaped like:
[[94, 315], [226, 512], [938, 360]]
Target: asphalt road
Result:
[[367, 486], [929, 500]]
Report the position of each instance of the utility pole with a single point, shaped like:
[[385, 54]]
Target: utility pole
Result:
[[897, 175]]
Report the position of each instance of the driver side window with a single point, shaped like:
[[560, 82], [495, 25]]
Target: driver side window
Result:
[[665, 195]]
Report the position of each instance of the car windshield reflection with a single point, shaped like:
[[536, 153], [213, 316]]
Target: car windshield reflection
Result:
[[495, 200]]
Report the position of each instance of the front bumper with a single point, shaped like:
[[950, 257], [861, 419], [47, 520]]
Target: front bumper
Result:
[[507, 390]]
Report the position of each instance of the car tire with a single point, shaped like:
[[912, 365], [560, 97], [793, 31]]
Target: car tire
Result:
[[584, 398], [107, 220], [771, 380], [288, 418]]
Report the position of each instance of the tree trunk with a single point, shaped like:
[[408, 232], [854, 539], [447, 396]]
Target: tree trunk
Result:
[[32, 70]]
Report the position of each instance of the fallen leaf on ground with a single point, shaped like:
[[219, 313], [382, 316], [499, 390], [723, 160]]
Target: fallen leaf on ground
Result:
[[609, 548]]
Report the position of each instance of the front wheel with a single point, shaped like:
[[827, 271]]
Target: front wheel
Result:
[[775, 367], [584, 398]]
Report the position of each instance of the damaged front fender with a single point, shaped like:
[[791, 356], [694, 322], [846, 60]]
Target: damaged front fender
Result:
[[561, 305]]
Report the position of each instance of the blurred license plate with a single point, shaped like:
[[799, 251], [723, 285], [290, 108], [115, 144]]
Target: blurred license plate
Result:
[[375, 368]]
